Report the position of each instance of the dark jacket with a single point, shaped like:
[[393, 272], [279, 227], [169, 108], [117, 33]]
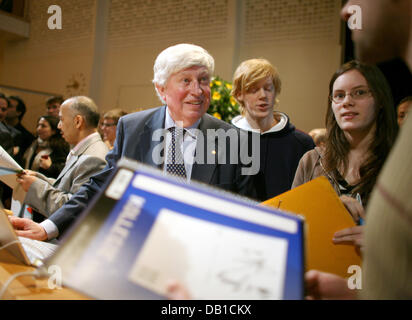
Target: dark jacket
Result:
[[280, 152]]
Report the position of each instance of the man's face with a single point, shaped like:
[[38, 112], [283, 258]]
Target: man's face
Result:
[[12, 112], [3, 109], [403, 111], [53, 109], [187, 94], [385, 29], [259, 100], [67, 124]]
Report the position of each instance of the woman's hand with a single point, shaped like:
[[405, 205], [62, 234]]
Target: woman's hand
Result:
[[45, 162], [354, 207], [353, 236]]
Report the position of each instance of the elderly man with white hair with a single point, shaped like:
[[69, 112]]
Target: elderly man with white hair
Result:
[[182, 76]]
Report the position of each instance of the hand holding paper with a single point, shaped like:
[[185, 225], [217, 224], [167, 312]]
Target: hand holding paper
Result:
[[353, 236], [354, 207], [25, 180]]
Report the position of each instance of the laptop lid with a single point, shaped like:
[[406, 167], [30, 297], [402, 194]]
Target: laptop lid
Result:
[[8, 236], [144, 228]]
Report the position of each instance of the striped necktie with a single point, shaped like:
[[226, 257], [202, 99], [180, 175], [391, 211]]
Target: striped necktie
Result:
[[175, 165]]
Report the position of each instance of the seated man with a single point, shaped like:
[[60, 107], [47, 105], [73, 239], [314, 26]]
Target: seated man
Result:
[[182, 80], [78, 123]]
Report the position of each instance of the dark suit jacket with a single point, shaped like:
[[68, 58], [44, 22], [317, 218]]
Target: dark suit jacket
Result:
[[134, 141]]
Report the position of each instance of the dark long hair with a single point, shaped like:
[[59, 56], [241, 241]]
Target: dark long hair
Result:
[[56, 140], [337, 146]]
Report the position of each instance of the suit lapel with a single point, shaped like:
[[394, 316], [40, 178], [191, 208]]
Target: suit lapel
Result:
[[67, 167], [147, 144], [73, 158], [204, 172]]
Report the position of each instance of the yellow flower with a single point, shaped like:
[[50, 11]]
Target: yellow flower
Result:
[[216, 96], [232, 101], [218, 83], [217, 115], [229, 86]]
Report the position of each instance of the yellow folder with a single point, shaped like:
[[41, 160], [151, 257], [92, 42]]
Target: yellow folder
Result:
[[324, 214]]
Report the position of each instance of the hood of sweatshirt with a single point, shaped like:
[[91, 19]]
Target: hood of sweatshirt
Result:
[[282, 126]]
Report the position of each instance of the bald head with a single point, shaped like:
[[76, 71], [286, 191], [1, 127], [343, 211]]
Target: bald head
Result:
[[79, 118], [85, 107]]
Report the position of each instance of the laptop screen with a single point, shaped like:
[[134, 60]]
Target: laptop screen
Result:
[[144, 229]]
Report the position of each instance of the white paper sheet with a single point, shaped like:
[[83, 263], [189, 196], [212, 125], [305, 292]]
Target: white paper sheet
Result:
[[212, 261], [10, 179]]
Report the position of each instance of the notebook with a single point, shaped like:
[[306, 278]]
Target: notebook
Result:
[[324, 214], [145, 228], [27, 251]]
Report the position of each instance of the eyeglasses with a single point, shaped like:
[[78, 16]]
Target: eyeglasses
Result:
[[108, 125], [356, 94]]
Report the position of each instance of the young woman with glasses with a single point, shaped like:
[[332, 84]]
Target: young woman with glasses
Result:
[[361, 129]]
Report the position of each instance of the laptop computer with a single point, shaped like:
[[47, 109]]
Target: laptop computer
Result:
[[144, 228], [27, 251]]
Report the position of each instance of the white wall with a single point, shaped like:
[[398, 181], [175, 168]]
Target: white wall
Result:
[[301, 38]]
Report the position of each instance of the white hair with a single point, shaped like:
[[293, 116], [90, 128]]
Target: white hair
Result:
[[179, 57]]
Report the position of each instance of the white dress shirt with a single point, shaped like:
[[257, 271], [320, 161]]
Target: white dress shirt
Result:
[[189, 143]]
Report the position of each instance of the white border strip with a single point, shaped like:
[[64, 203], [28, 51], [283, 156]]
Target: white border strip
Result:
[[220, 206]]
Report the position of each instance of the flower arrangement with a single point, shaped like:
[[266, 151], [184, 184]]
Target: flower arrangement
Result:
[[222, 105]]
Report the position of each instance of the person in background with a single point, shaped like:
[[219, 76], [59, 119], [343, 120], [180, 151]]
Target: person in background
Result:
[[387, 259], [6, 137], [15, 114], [361, 128], [319, 136], [53, 106], [109, 125], [48, 153], [6, 5], [402, 109], [256, 87], [16, 135], [7, 143]]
